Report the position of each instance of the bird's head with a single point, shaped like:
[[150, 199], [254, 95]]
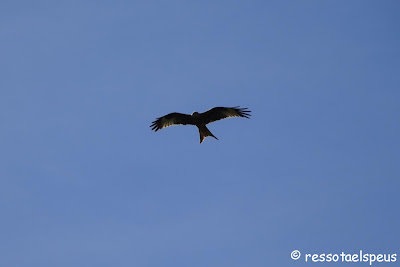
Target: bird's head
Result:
[[195, 114]]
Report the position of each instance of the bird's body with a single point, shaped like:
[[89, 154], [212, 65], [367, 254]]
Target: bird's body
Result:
[[199, 119], [196, 117]]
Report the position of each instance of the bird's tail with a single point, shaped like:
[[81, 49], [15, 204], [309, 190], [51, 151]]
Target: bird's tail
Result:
[[204, 132]]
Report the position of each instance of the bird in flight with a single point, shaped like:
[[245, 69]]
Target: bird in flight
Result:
[[200, 119]]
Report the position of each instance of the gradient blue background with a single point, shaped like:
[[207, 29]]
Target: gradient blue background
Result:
[[85, 182]]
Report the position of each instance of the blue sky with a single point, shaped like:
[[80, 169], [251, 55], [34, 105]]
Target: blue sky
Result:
[[85, 182]]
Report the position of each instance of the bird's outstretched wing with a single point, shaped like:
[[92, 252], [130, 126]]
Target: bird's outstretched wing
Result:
[[171, 119], [220, 113]]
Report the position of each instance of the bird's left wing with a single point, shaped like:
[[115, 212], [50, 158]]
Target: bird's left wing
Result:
[[171, 119], [220, 113]]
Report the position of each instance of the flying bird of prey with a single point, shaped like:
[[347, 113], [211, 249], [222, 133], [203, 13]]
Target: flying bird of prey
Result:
[[200, 119]]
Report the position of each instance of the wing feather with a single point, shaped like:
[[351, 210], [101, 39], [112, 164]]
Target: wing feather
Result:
[[220, 113], [171, 119]]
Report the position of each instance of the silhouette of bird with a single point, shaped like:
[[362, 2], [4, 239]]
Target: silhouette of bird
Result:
[[200, 119]]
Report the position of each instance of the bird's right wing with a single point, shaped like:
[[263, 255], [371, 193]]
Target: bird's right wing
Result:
[[220, 113], [171, 119]]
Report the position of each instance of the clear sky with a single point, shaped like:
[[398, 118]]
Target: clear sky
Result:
[[85, 182]]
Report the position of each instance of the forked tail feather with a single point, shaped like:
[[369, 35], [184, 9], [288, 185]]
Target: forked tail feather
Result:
[[204, 132]]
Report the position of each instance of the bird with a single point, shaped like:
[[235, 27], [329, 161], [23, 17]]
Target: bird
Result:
[[200, 119]]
